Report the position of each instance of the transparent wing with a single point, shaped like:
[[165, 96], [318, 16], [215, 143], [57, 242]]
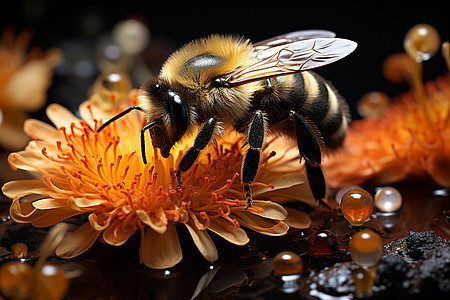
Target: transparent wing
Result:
[[291, 58], [292, 37]]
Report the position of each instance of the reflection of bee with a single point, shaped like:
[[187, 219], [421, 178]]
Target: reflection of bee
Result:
[[223, 80]]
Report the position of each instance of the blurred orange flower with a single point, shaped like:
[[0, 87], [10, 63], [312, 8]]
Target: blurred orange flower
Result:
[[398, 143], [24, 80], [103, 175]]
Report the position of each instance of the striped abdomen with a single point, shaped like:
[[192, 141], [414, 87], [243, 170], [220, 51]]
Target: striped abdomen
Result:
[[312, 97]]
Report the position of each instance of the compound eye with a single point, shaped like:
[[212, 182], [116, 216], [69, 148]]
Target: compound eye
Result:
[[178, 113]]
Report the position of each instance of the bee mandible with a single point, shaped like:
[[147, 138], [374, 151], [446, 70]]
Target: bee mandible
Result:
[[221, 81]]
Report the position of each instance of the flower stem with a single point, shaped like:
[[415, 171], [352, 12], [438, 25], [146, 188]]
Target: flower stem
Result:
[[421, 95]]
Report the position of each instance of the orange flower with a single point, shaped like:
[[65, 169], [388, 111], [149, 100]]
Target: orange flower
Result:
[[102, 174], [398, 143], [24, 80]]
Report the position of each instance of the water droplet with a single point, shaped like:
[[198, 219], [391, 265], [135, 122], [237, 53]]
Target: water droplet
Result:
[[422, 42]]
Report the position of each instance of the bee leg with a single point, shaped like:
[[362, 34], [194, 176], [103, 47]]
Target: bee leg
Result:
[[250, 164], [307, 141], [309, 147], [316, 180], [143, 130], [202, 139]]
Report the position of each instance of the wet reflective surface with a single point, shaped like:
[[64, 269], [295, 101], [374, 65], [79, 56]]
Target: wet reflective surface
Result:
[[244, 272]]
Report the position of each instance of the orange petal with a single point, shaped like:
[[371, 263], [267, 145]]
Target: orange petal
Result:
[[49, 217], [271, 210], [12, 136], [117, 233], [283, 181], [438, 166], [53, 57], [77, 242], [297, 219], [156, 225], [33, 162], [98, 114], [25, 212], [41, 130], [223, 228], [160, 251], [27, 88], [261, 225], [94, 221], [20, 188], [61, 116], [300, 192], [393, 171], [21, 212], [49, 203], [80, 202], [203, 242]]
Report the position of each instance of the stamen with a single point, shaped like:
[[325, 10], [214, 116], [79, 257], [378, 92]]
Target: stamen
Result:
[[45, 154], [85, 162], [105, 152], [225, 188], [197, 223], [100, 173], [119, 159]]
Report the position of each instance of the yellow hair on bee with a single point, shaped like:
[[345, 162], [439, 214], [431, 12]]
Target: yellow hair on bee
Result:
[[235, 50], [197, 64]]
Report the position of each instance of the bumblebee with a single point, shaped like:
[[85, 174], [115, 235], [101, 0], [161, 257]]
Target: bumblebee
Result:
[[221, 81]]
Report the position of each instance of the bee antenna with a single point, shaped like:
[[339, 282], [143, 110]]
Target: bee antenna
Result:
[[119, 115]]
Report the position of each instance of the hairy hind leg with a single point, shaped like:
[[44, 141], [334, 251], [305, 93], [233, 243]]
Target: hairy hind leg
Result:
[[200, 143], [250, 164], [309, 147]]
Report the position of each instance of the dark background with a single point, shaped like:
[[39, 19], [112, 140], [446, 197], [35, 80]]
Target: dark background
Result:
[[377, 26]]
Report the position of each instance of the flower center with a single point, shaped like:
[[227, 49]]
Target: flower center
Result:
[[106, 166]]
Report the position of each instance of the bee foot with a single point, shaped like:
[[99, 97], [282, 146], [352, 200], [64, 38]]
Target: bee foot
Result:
[[179, 182], [249, 203], [248, 196]]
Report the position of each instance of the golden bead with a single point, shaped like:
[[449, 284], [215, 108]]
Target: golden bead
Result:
[[422, 42], [16, 279], [287, 263], [366, 248], [50, 283], [398, 68], [112, 89], [20, 250], [323, 243], [388, 199], [132, 36], [372, 104], [356, 206]]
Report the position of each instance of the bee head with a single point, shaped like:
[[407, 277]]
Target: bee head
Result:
[[161, 102]]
